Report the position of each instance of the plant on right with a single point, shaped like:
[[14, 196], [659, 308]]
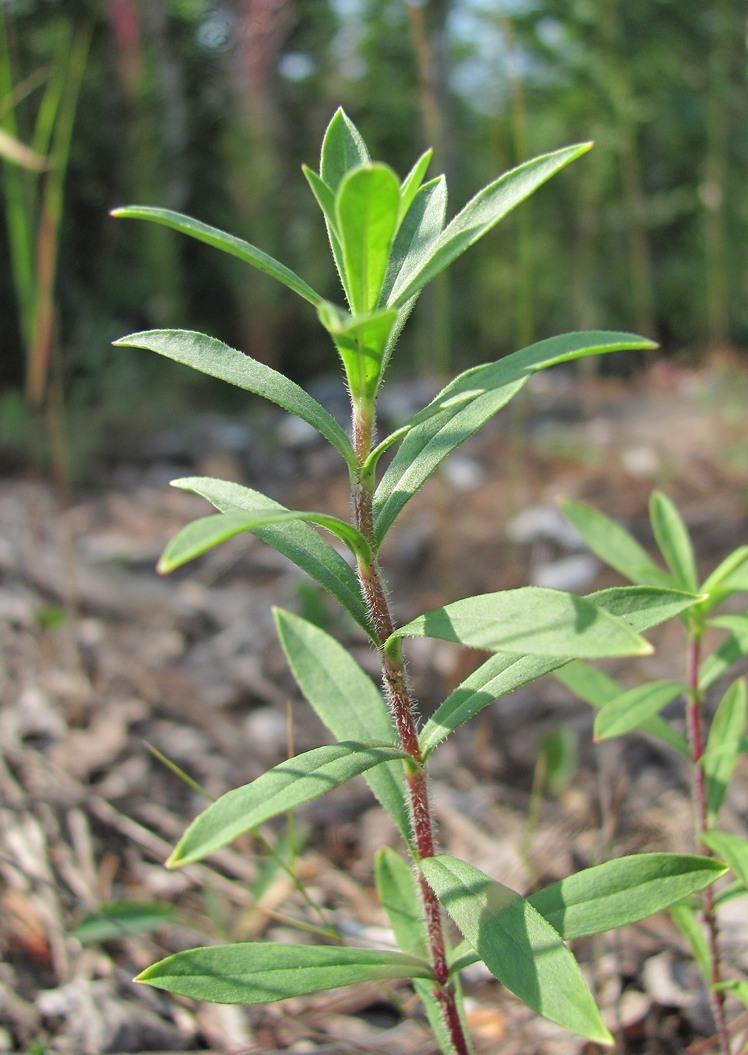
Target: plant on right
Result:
[[714, 738]]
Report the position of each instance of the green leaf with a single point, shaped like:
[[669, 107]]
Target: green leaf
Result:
[[206, 532], [427, 993], [482, 213], [622, 891], [361, 342], [673, 540], [738, 989], [346, 701], [723, 746], [343, 149], [732, 649], [640, 607], [533, 620], [732, 849], [367, 207], [633, 707], [688, 923], [295, 540], [399, 897], [517, 945], [412, 183], [598, 689], [418, 231], [260, 972], [286, 786], [216, 359], [614, 545], [729, 577], [220, 240], [115, 920], [398, 894], [466, 404], [326, 201]]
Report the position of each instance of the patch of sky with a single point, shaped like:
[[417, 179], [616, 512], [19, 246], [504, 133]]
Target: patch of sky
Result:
[[215, 30], [296, 66]]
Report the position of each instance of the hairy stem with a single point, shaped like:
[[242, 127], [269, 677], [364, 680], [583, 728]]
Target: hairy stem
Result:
[[402, 708], [701, 823]]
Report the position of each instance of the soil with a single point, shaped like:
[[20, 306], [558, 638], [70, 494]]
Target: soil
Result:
[[109, 671]]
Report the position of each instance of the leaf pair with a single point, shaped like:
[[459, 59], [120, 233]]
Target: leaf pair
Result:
[[521, 940]]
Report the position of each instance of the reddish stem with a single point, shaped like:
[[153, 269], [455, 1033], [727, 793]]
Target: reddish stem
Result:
[[403, 712]]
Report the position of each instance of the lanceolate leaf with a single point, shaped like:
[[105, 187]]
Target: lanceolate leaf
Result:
[[482, 213], [220, 240], [260, 972], [640, 607], [533, 620], [622, 891], [723, 746], [398, 895], [412, 182], [467, 403], [203, 534], [633, 707], [425, 448], [427, 993], [732, 649], [343, 149], [732, 573], [346, 701], [326, 201], [216, 359], [421, 226], [115, 920], [598, 689], [517, 945], [732, 849], [288, 785], [614, 545], [295, 540], [729, 577], [688, 922], [673, 540], [366, 208]]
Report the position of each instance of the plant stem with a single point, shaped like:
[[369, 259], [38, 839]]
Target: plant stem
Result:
[[701, 823], [402, 708]]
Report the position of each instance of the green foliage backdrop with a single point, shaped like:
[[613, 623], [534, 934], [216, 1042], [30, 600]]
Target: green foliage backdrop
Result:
[[211, 108]]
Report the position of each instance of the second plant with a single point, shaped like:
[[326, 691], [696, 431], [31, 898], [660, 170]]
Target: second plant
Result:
[[389, 239]]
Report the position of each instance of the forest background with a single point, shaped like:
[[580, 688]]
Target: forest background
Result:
[[211, 108]]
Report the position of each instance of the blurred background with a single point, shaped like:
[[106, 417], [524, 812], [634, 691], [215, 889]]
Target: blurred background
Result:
[[210, 108]]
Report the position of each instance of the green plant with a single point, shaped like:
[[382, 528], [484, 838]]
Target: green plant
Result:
[[389, 239], [713, 746], [34, 192]]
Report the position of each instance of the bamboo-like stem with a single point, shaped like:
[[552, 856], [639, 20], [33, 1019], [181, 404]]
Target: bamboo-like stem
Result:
[[701, 825], [402, 708]]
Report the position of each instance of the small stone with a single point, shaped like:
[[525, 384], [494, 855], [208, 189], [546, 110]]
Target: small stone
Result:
[[573, 574], [543, 523]]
